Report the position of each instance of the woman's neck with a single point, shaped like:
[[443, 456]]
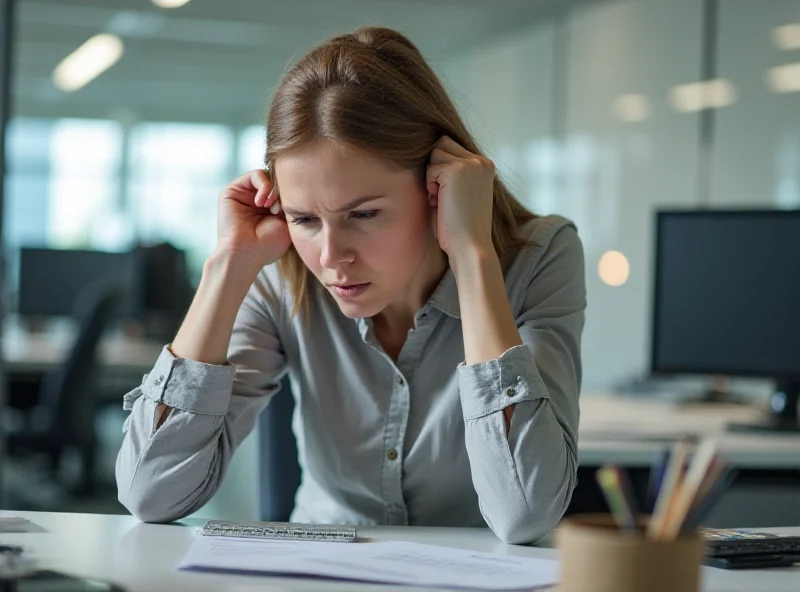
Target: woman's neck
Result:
[[392, 324]]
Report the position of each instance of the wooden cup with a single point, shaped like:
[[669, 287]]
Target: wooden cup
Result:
[[596, 556]]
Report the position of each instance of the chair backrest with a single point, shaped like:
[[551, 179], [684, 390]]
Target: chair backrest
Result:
[[68, 394], [279, 469]]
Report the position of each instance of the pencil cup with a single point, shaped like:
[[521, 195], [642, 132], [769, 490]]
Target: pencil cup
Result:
[[596, 556]]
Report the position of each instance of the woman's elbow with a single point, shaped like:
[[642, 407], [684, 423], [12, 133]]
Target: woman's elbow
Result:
[[526, 530], [148, 507], [538, 518]]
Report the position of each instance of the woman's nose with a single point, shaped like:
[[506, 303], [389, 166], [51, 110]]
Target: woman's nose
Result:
[[334, 250]]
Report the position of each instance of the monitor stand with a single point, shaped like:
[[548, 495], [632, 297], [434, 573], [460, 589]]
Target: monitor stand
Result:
[[718, 391], [784, 413]]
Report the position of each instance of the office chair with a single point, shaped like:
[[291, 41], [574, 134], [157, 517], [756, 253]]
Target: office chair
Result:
[[279, 469], [64, 416]]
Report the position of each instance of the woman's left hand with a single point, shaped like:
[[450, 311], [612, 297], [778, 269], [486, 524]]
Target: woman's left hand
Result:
[[461, 187]]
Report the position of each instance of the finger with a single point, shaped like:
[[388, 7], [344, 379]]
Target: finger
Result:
[[433, 182], [439, 156], [435, 173], [266, 196], [275, 208], [448, 144], [260, 197], [252, 180]]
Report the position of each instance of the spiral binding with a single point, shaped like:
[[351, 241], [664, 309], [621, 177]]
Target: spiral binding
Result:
[[281, 530]]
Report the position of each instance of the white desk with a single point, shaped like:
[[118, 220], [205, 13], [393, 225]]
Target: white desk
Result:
[[142, 557], [33, 353], [630, 432]]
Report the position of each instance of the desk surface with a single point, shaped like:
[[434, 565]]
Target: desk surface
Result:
[[33, 352], [631, 431], [142, 557]]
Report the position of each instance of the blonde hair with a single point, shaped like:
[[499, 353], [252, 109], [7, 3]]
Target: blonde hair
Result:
[[371, 90]]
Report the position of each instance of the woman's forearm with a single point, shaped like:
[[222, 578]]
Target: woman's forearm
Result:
[[205, 333], [486, 318]]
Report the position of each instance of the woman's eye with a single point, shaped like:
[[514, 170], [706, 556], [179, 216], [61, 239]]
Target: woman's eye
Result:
[[303, 220], [366, 215]]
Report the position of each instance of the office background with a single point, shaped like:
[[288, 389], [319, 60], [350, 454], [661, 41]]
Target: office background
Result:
[[603, 111]]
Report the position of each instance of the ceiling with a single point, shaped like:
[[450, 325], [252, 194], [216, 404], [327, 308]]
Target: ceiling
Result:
[[218, 60]]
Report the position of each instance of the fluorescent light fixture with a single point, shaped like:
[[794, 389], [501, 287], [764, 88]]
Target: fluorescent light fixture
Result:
[[784, 79], [614, 268], [170, 3], [87, 62], [632, 108], [787, 37], [696, 96], [719, 93]]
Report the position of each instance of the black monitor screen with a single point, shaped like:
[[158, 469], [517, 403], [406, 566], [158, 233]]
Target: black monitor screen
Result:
[[727, 293], [50, 280]]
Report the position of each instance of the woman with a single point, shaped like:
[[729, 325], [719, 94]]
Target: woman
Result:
[[430, 325]]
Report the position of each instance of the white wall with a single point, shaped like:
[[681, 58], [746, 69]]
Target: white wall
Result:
[[504, 90], [757, 149]]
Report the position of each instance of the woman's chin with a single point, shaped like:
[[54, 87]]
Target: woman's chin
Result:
[[358, 310]]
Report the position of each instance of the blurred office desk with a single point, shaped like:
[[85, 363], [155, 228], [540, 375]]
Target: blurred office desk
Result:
[[630, 432], [142, 557], [28, 356], [31, 352]]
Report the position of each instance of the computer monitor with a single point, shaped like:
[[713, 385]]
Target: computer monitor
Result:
[[727, 299], [50, 280]]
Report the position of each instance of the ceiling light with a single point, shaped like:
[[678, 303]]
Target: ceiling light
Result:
[[784, 79], [87, 62], [632, 108], [614, 268], [696, 96], [170, 3], [719, 93], [787, 37]]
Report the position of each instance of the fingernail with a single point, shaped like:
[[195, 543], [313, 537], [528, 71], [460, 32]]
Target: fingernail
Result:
[[275, 208]]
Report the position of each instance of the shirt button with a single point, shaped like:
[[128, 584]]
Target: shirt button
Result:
[[400, 381], [511, 391], [392, 454]]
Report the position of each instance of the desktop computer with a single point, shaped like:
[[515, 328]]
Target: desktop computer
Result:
[[727, 301], [51, 280]]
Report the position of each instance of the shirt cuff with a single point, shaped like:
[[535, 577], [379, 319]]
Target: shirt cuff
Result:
[[189, 385], [493, 385]]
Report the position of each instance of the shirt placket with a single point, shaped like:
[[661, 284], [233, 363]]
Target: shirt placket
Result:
[[395, 509]]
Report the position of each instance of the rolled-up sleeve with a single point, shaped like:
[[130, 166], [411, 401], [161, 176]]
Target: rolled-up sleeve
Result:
[[168, 472], [525, 479]]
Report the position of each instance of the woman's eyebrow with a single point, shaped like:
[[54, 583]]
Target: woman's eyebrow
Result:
[[294, 213]]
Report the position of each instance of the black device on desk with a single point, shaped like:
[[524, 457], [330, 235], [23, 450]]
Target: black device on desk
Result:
[[52, 581], [727, 288], [746, 549], [18, 575]]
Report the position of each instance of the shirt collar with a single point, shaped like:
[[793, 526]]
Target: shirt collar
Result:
[[444, 298]]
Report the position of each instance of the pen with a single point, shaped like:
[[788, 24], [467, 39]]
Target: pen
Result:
[[609, 479], [657, 470], [687, 493], [718, 488], [671, 483]]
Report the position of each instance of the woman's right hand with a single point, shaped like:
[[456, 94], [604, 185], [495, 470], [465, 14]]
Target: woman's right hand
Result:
[[249, 220]]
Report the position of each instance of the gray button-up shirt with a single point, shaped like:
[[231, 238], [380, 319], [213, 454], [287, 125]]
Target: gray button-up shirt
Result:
[[421, 441]]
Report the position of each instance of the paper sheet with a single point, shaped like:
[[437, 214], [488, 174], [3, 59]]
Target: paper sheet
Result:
[[390, 563]]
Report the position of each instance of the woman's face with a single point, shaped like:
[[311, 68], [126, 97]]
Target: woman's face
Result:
[[362, 227]]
